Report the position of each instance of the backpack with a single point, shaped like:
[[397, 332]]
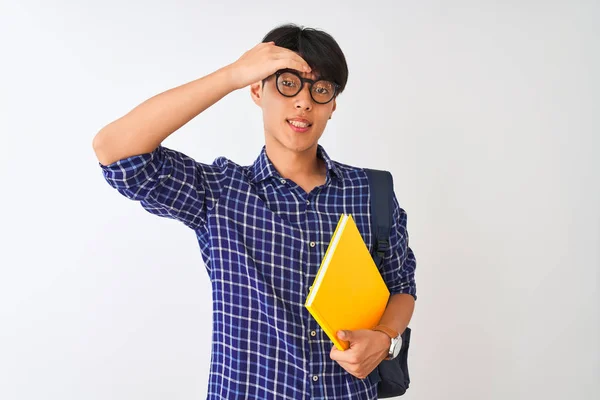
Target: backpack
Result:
[[391, 376]]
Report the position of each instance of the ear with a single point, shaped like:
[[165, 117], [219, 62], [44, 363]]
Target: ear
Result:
[[333, 108], [256, 91]]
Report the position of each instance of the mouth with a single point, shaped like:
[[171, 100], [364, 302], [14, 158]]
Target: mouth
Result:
[[299, 126]]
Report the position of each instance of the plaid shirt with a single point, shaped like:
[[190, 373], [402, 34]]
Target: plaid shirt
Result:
[[262, 238]]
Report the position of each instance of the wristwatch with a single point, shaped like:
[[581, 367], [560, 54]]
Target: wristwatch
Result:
[[396, 338]]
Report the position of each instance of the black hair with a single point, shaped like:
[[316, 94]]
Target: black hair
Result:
[[318, 48]]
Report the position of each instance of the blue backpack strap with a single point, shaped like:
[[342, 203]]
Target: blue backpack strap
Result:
[[390, 376], [381, 195], [381, 187]]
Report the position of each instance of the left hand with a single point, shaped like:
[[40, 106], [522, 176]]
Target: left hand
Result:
[[367, 349]]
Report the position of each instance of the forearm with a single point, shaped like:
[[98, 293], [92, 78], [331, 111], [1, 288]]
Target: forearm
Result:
[[146, 126], [398, 312]]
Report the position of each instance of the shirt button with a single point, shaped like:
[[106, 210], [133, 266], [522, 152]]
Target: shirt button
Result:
[[315, 378], [312, 244], [313, 333], [307, 202], [283, 181]]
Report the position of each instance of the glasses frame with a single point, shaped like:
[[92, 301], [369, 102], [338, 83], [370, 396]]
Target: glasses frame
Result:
[[311, 82]]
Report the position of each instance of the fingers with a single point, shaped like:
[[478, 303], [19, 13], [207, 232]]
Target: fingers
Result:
[[294, 63], [289, 59], [346, 356], [298, 66], [299, 61]]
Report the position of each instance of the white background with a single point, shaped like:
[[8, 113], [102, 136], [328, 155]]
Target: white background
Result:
[[485, 112]]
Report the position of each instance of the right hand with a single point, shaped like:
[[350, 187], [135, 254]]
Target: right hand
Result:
[[264, 60]]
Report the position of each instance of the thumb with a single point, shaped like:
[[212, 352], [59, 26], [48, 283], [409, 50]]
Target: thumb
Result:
[[344, 335]]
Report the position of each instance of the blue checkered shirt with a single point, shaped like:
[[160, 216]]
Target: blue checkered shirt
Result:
[[262, 238]]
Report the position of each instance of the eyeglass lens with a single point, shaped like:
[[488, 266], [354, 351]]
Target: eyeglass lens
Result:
[[290, 85]]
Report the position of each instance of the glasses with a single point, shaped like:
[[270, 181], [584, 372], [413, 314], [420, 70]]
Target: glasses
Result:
[[289, 84]]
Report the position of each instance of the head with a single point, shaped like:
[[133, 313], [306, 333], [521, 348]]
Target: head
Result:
[[327, 62]]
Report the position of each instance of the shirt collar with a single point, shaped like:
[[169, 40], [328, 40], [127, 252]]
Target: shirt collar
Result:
[[263, 168]]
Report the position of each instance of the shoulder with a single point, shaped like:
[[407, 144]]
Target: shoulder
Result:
[[351, 174]]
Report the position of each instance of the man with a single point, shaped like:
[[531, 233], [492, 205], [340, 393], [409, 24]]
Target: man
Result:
[[263, 229]]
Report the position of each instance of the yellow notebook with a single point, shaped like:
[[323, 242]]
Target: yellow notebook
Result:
[[348, 292]]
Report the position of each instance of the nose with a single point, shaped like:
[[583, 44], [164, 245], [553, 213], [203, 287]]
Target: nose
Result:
[[303, 100]]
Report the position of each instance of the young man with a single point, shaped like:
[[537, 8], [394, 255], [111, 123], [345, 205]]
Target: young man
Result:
[[263, 229]]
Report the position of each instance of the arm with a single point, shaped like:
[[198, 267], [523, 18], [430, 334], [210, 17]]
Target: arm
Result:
[[398, 313], [399, 273], [166, 182], [147, 125], [367, 347]]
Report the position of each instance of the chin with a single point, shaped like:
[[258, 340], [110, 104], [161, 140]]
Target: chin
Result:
[[295, 142], [302, 144], [295, 146]]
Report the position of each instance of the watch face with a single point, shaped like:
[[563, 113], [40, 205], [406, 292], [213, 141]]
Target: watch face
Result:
[[396, 345]]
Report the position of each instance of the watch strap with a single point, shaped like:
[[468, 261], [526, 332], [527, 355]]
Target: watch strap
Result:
[[387, 330]]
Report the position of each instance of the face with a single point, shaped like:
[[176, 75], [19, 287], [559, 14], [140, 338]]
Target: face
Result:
[[292, 123]]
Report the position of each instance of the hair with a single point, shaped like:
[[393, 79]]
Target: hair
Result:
[[318, 48]]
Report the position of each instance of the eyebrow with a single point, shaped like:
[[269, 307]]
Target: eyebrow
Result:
[[298, 73]]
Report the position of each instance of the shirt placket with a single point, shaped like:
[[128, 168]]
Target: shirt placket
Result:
[[314, 253]]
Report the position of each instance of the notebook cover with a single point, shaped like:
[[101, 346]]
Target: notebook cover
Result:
[[348, 291]]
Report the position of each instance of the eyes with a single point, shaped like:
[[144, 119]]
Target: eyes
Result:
[[321, 87], [290, 84]]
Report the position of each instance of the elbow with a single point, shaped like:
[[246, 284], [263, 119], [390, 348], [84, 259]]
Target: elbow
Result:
[[112, 144], [97, 146], [101, 149], [96, 143]]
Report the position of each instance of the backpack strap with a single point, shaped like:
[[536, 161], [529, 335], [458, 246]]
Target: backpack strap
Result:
[[381, 187], [390, 376]]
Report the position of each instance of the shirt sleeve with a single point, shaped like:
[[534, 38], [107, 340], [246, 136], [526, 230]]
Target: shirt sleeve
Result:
[[169, 184], [399, 263]]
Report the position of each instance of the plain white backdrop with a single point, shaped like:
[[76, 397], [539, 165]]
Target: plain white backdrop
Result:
[[486, 112]]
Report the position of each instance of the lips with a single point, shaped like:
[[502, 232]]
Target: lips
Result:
[[299, 126], [299, 123]]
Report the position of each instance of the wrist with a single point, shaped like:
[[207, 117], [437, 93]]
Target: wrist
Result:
[[393, 340], [229, 76], [384, 341]]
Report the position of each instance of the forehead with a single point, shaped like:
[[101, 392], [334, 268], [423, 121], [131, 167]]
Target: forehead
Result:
[[313, 75]]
